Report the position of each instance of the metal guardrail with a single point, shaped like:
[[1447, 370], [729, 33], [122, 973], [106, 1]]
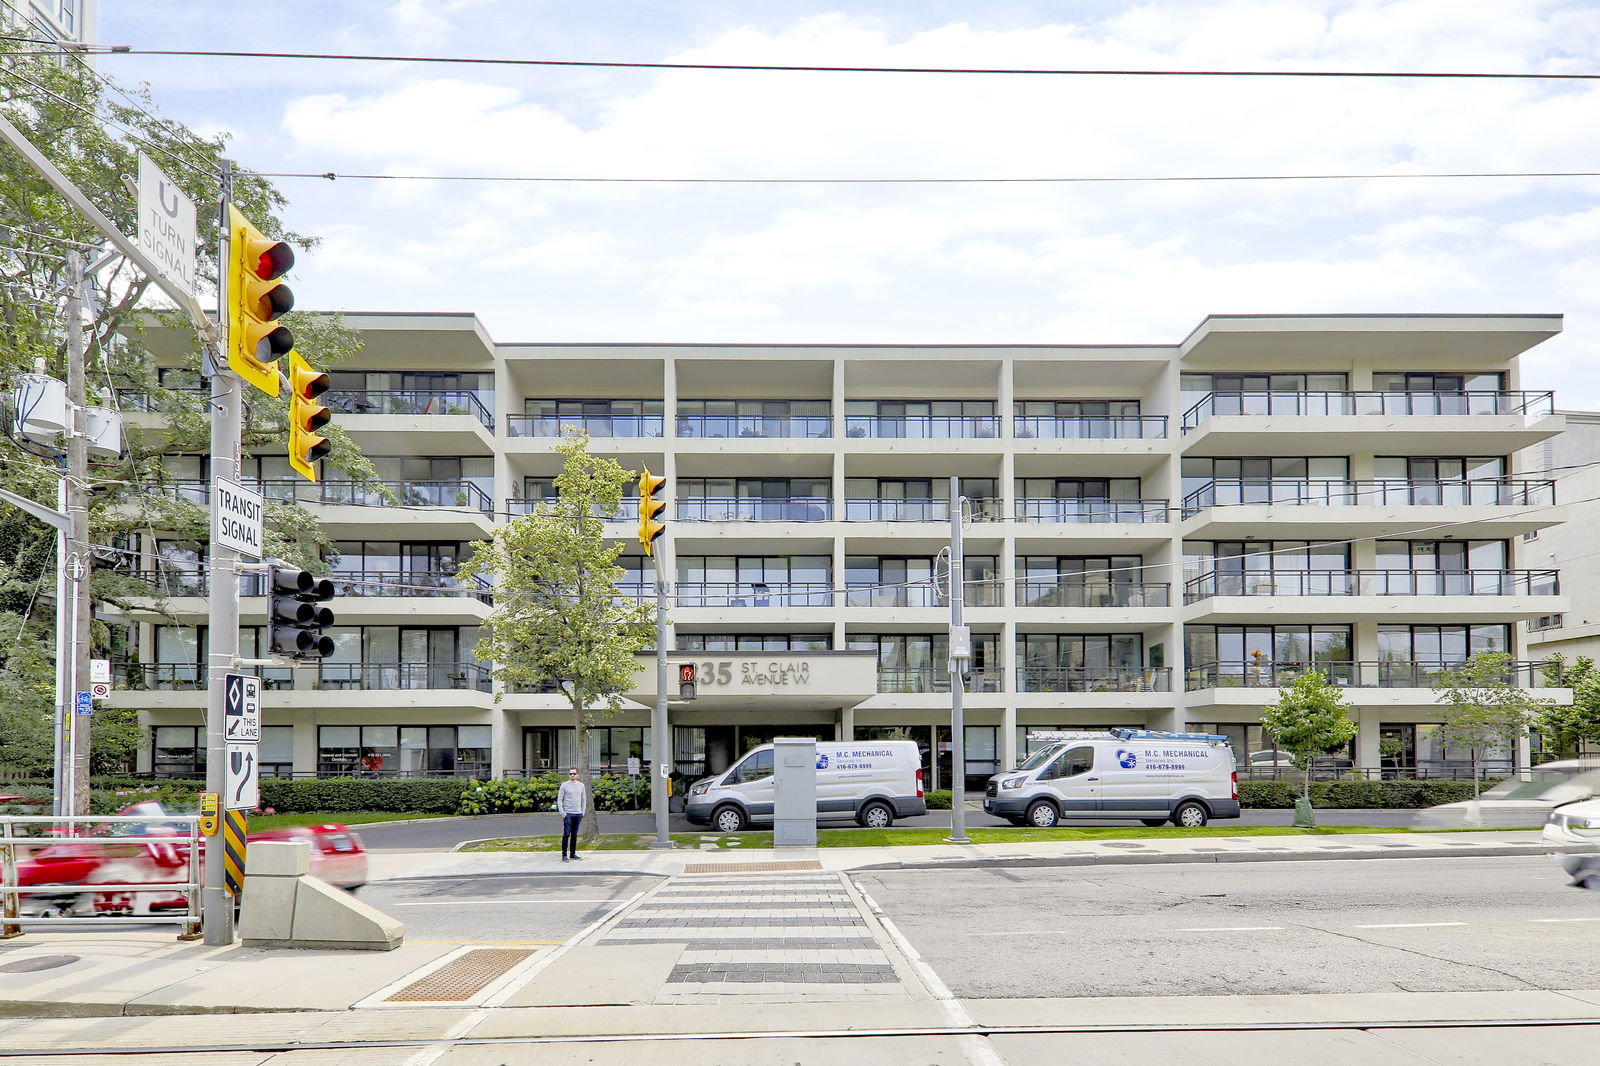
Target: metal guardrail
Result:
[[367, 677], [1092, 594], [1351, 673], [1372, 583], [921, 427], [752, 509], [1340, 492], [411, 402], [1090, 509], [1085, 679], [779, 426], [1090, 427], [594, 425], [1322, 404], [113, 901], [457, 492]]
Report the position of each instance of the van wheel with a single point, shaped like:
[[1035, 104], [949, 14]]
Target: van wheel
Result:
[[729, 819], [1153, 822], [1042, 814], [875, 816], [1189, 816]]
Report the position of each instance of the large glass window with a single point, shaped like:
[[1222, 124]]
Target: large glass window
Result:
[[1264, 654], [1079, 662], [404, 751], [1083, 581], [920, 662], [754, 418], [733, 642], [756, 580], [179, 751]]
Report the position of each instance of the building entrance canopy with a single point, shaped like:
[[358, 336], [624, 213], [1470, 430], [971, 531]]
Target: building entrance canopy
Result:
[[814, 680]]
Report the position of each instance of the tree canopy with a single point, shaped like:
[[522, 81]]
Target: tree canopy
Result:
[[1310, 717], [1483, 708]]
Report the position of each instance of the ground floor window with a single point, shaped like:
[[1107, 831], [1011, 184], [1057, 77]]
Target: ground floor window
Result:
[[553, 748], [404, 751], [1032, 738], [275, 753], [179, 751]]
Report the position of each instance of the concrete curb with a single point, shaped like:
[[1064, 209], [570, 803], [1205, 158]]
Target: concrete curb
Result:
[[1168, 858]]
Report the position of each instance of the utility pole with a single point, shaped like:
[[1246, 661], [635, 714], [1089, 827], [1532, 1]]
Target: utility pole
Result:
[[960, 644], [226, 429], [662, 744], [77, 563]]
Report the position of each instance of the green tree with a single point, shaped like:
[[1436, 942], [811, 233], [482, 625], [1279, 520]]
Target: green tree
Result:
[[1483, 708], [558, 615], [92, 130], [1567, 729], [1310, 717]]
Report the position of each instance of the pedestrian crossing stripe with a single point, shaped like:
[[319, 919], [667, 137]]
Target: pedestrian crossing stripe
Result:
[[233, 843]]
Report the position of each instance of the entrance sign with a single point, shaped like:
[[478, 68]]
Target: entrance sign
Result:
[[243, 779], [100, 670], [241, 705], [166, 225], [236, 517]]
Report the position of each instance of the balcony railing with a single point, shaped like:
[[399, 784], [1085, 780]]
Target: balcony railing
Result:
[[932, 679], [755, 426], [922, 426], [1092, 427], [455, 493], [173, 581], [517, 505], [752, 594], [1092, 679], [411, 402], [1319, 404], [372, 677], [1306, 492], [594, 425], [752, 509], [1052, 509], [1349, 674], [1372, 583], [1092, 594]]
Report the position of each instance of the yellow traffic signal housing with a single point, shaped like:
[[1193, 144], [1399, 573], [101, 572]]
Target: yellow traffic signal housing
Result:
[[650, 505], [256, 300], [306, 416]]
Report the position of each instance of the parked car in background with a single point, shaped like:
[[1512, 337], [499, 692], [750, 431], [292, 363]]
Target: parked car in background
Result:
[[1277, 764], [1522, 800], [1574, 829]]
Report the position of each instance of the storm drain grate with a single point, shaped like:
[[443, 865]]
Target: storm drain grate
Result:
[[748, 867], [461, 978]]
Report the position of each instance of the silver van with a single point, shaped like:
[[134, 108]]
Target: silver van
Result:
[[1141, 775], [873, 782]]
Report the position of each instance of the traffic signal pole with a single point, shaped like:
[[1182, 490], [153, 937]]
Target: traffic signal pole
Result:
[[227, 420], [662, 744]]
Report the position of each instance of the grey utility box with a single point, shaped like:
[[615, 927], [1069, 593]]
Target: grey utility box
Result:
[[794, 780]]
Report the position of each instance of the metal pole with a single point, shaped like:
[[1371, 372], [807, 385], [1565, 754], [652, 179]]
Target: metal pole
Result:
[[76, 563], [958, 729], [62, 805], [661, 745], [226, 420]]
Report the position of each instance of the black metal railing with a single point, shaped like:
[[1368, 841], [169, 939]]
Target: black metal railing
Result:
[[756, 426], [1350, 673], [446, 493], [1308, 492], [411, 402], [169, 677], [594, 425], [937, 427], [1092, 594], [1321, 404], [177, 581], [1090, 427], [933, 679], [1053, 509], [1372, 583], [518, 505], [752, 594], [752, 509], [1092, 679]]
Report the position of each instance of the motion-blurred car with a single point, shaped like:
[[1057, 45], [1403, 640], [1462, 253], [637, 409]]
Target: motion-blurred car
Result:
[[1521, 801], [152, 853], [1574, 829]]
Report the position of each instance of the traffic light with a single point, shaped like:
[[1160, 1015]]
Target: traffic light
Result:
[[686, 681], [650, 505], [294, 619], [256, 299], [306, 416]]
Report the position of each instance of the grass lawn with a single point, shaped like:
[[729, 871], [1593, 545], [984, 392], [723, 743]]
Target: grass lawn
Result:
[[287, 821], [870, 838]]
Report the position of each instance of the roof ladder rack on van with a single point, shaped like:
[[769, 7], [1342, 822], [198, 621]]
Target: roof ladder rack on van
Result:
[[1158, 734]]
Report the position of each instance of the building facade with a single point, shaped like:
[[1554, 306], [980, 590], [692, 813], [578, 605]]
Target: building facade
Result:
[[1154, 535]]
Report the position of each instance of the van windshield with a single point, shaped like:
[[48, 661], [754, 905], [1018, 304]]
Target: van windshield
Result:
[[1039, 758]]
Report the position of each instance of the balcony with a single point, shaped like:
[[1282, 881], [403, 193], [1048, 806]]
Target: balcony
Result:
[[449, 493], [412, 402], [1412, 423], [755, 426], [753, 509], [929, 679], [922, 427], [1372, 583], [594, 425], [1052, 509], [1373, 674], [1101, 427], [1073, 594], [174, 581], [369, 677], [1092, 679], [519, 505], [752, 594]]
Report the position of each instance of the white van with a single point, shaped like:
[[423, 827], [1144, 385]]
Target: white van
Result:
[[1135, 774], [873, 782]]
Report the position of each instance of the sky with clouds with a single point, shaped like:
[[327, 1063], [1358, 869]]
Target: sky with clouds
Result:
[[1130, 262]]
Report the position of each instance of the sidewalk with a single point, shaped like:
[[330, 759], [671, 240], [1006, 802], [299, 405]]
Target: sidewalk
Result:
[[95, 971]]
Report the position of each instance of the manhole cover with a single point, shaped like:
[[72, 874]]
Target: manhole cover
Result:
[[1119, 844], [37, 962]]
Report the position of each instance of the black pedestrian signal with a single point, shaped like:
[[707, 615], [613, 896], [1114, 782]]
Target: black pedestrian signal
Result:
[[295, 617]]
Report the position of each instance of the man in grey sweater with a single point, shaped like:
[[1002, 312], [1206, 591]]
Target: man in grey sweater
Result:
[[571, 801]]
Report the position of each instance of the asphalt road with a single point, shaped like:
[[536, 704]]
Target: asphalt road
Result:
[[1374, 925], [545, 908], [441, 834]]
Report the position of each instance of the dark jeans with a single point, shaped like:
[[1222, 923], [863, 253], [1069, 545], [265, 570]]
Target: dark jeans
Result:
[[569, 833]]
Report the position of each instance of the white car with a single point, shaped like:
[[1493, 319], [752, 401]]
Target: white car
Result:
[[1521, 801], [1574, 828]]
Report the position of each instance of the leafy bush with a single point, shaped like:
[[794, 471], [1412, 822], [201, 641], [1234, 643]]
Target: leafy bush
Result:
[[1355, 793], [938, 799], [610, 793], [428, 795]]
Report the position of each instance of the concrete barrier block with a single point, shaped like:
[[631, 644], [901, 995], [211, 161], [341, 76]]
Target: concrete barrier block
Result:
[[328, 917], [266, 910], [277, 858]]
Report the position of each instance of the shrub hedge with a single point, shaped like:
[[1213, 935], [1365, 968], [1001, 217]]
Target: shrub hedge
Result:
[[938, 799], [313, 795], [1355, 793], [611, 793]]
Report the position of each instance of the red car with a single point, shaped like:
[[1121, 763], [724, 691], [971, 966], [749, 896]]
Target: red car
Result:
[[155, 853]]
